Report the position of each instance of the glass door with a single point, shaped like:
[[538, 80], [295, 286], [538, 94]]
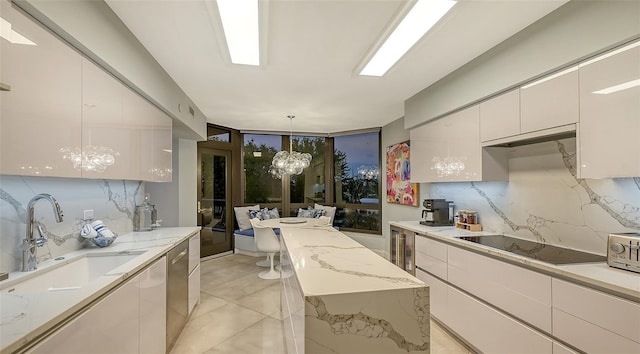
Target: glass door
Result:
[[214, 201]]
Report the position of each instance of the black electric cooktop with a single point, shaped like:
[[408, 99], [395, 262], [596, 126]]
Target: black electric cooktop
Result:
[[540, 251]]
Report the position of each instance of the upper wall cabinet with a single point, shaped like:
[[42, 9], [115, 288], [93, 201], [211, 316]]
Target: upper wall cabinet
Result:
[[609, 130], [40, 114], [550, 102], [125, 133], [448, 150], [500, 116]]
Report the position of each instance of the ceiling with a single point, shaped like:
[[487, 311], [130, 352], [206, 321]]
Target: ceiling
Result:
[[310, 51]]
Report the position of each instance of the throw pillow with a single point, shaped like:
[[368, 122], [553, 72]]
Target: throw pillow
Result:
[[310, 213], [328, 210], [242, 216], [264, 214]]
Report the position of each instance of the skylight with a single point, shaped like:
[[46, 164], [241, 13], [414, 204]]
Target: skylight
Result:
[[240, 24], [424, 15]]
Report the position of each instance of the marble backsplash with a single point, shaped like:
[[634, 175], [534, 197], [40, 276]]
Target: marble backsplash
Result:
[[544, 200], [113, 202]]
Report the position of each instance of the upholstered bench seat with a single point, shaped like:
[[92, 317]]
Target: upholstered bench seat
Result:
[[245, 244]]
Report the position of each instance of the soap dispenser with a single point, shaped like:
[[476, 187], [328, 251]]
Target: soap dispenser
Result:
[[142, 215]]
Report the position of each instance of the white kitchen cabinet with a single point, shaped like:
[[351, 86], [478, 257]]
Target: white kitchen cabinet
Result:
[[609, 130], [131, 319], [549, 102], [437, 295], [491, 331], [448, 150], [523, 293], [578, 310], [431, 256], [41, 112], [500, 116], [117, 121], [153, 308], [194, 272], [110, 326]]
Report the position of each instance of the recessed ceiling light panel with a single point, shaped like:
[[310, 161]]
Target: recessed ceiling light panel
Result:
[[424, 15], [240, 23]]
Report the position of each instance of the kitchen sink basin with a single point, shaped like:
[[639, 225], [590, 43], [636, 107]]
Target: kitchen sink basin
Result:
[[70, 274]]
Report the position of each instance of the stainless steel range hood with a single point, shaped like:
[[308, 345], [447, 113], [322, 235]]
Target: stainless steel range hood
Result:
[[556, 133]]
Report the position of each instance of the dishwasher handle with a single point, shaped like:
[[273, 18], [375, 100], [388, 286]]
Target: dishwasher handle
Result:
[[177, 258]]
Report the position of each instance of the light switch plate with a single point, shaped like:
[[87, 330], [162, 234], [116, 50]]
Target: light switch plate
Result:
[[88, 214]]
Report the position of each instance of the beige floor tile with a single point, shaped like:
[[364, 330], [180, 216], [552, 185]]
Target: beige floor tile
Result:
[[266, 336], [443, 343], [214, 327], [240, 287], [207, 303], [266, 301]]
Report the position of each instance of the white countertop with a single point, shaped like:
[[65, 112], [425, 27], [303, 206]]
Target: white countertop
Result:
[[597, 274], [33, 314], [328, 262]]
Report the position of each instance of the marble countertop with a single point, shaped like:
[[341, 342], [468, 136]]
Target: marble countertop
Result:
[[328, 262], [28, 315], [596, 275]]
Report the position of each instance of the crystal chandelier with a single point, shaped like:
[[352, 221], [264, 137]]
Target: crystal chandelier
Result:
[[447, 166], [368, 172], [289, 162], [89, 157]]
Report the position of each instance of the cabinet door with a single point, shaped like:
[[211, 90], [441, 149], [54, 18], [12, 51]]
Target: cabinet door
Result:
[[437, 295], [431, 256], [41, 113], [489, 330], [110, 326], [500, 116], [153, 307], [609, 131], [550, 102], [194, 288], [448, 149]]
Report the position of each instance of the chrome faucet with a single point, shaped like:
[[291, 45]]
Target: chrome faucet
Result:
[[30, 243]]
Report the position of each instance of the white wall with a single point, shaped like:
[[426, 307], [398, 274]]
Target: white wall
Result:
[[93, 28], [574, 31], [394, 133]]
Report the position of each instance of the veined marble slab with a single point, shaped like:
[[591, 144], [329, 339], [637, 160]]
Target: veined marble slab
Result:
[[344, 298]]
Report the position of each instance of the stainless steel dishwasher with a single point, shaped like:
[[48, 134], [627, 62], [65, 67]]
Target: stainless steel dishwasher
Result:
[[177, 291]]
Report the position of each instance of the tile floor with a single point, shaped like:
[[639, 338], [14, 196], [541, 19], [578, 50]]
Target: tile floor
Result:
[[239, 313]]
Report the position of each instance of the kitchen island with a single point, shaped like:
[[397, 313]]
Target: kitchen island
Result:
[[340, 297]]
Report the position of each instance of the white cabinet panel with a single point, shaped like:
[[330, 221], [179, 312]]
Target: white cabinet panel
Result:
[[609, 131], [439, 146], [41, 114], [108, 327], [153, 307], [500, 116], [194, 288], [489, 330], [550, 102], [431, 256], [194, 252], [617, 315], [523, 293], [589, 337], [437, 295]]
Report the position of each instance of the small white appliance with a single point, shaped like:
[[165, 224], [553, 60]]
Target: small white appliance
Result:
[[624, 251]]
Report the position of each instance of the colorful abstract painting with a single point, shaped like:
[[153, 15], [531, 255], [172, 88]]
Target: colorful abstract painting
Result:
[[400, 190]]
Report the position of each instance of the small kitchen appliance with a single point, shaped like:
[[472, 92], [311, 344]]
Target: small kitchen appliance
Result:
[[437, 212], [624, 251]]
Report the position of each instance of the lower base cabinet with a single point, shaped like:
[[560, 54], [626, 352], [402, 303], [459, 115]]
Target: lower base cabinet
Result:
[[131, 319], [489, 330], [437, 295], [194, 288]]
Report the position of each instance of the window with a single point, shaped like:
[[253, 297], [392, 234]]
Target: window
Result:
[[260, 187], [344, 172], [308, 188], [356, 188], [218, 134]]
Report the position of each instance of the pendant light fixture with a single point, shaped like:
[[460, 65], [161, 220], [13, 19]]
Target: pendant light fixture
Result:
[[289, 162]]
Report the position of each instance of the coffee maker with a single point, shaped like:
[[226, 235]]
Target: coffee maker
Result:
[[438, 212]]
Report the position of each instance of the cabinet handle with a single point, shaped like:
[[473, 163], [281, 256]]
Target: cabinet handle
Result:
[[179, 257]]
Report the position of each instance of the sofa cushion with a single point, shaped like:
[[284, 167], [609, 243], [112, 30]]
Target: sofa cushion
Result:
[[250, 233], [242, 216]]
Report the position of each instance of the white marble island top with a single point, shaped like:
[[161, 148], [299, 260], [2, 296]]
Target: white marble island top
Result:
[[595, 274], [28, 315], [329, 262]]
